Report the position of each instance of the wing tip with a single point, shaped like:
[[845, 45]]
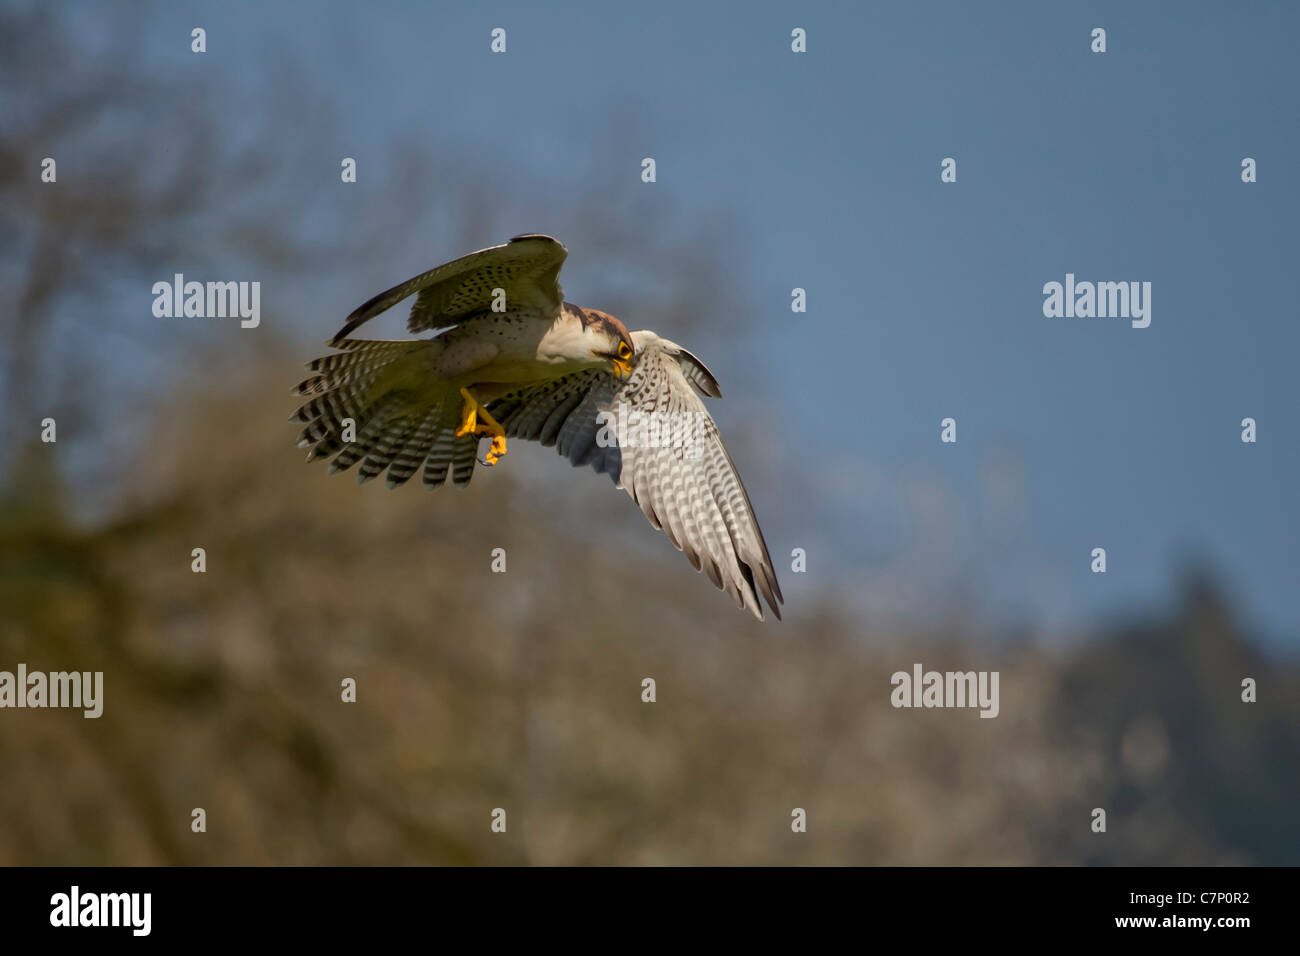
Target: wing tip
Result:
[[523, 236], [764, 586]]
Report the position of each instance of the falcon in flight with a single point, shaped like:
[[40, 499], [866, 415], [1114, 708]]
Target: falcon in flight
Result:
[[512, 359]]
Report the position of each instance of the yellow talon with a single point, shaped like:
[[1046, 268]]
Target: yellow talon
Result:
[[497, 450], [475, 420]]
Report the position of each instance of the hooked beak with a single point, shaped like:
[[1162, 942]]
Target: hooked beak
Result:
[[622, 368]]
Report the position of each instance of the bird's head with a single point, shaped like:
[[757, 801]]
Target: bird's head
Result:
[[606, 340]]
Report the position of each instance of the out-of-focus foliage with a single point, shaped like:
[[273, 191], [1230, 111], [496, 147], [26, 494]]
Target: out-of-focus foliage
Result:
[[522, 691]]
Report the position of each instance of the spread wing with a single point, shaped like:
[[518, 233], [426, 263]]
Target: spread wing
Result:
[[685, 482], [526, 267]]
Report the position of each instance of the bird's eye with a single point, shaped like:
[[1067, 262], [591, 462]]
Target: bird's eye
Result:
[[624, 350]]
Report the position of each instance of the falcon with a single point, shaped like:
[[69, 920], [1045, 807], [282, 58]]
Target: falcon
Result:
[[511, 359]]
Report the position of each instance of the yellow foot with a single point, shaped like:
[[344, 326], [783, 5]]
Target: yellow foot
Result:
[[468, 415], [475, 420]]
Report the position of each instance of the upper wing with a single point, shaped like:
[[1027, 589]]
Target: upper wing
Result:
[[685, 482], [526, 267]]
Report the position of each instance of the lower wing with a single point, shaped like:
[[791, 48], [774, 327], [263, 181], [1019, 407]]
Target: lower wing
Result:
[[653, 436]]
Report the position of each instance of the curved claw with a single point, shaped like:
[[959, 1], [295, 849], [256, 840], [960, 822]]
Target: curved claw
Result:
[[475, 420], [497, 450]]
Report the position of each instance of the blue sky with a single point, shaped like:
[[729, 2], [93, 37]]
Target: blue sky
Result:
[[925, 298]]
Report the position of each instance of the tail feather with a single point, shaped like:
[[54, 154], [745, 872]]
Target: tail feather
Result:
[[464, 455], [388, 443], [400, 421], [354, 352], [378, 420], [438, 461], [411, 455]]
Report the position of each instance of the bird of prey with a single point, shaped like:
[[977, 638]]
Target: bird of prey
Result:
[[512, 359]]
